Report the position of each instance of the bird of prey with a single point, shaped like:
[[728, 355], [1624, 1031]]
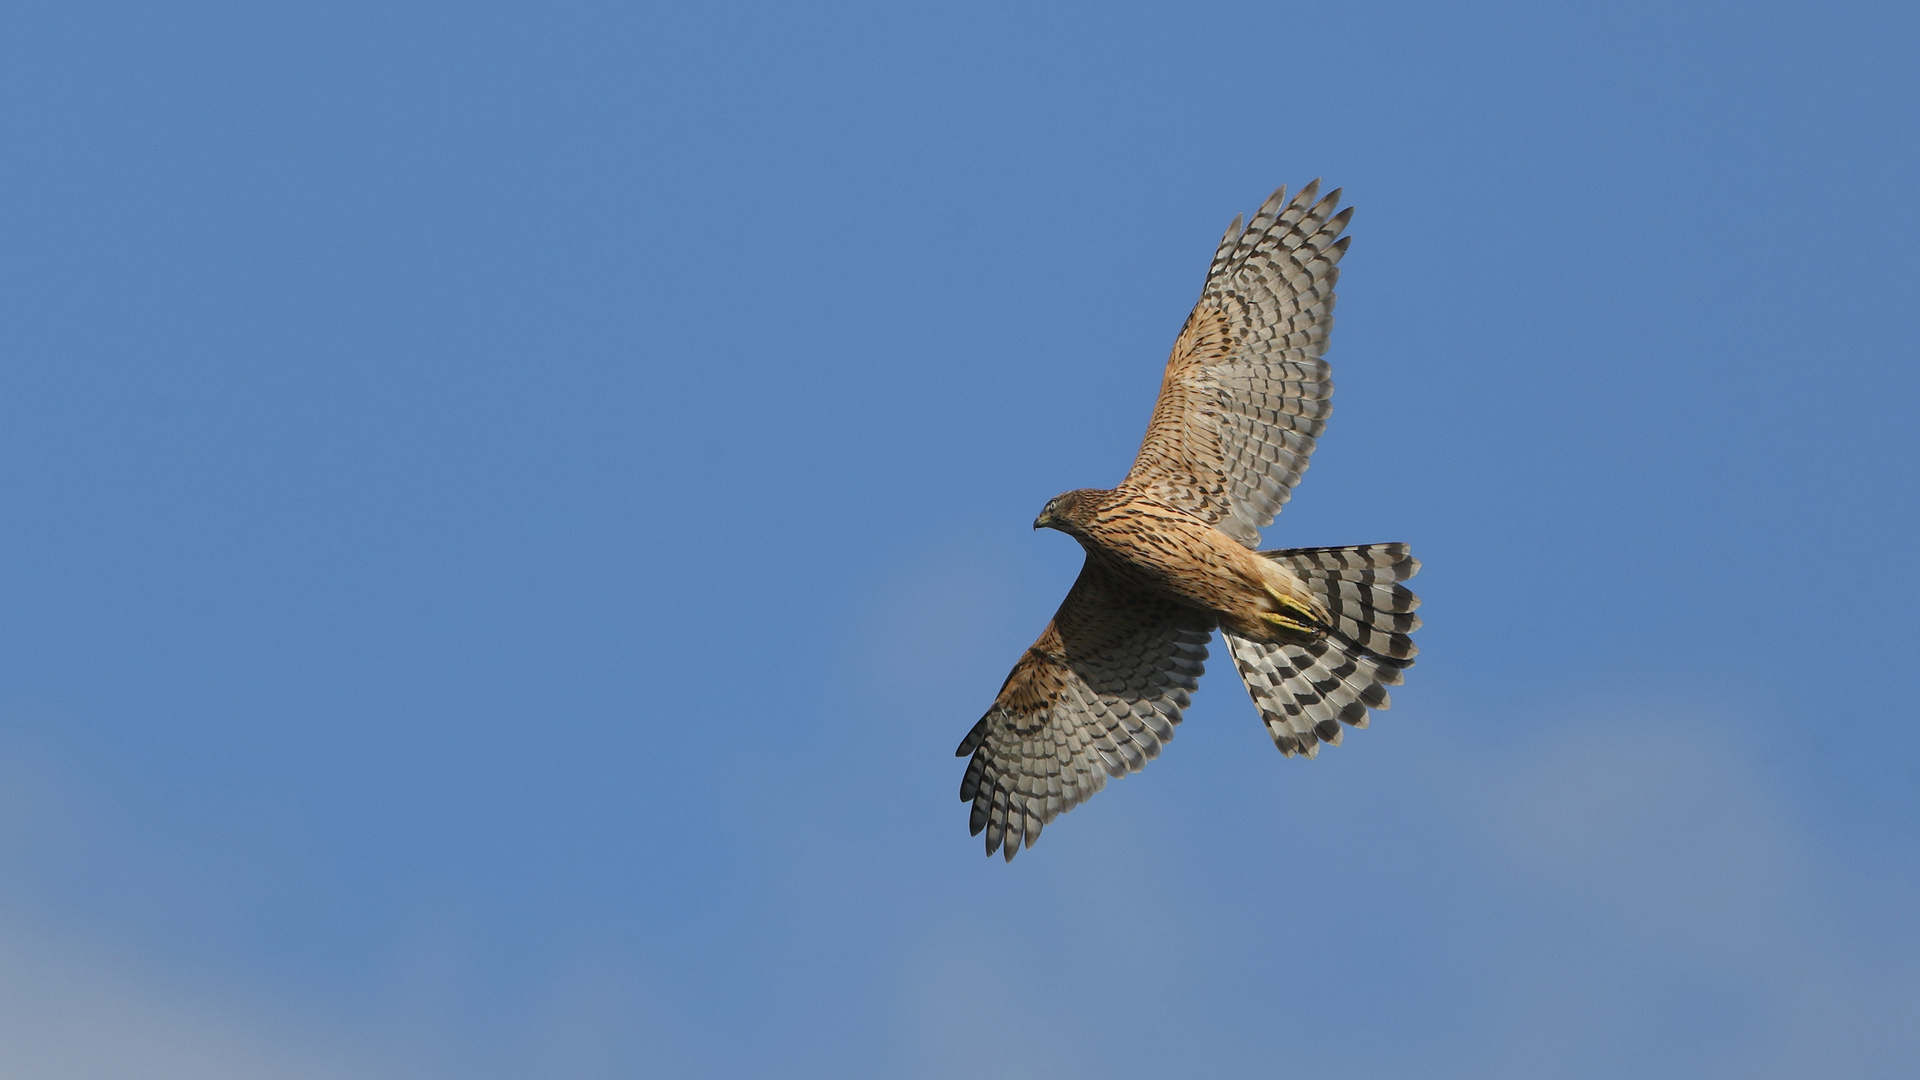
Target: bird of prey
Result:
[[1173, 553]]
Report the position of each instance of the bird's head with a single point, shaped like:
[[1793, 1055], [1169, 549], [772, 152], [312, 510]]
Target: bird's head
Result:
[[1066, 511]]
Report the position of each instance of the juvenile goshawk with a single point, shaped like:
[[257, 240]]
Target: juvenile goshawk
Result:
[[1317, 633]]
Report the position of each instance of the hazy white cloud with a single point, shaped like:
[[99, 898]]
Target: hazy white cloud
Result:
[[70, 1008], [73, 1005], [1647, 912], [76, 1003], [1685, 853], [1671, 914]]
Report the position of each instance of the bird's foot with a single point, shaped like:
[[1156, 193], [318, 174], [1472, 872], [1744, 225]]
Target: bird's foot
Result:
[[1294, 619], [1285, 623]]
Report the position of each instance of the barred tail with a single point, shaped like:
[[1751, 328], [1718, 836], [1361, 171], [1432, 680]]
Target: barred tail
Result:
[[1305, 692]]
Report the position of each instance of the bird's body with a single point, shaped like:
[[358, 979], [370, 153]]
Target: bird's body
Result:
[[1172, 553], [1165, 550]]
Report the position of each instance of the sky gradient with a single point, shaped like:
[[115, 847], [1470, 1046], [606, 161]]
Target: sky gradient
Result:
[[511, 509]]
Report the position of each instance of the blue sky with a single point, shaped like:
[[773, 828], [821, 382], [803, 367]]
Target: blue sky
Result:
[[511, 509]]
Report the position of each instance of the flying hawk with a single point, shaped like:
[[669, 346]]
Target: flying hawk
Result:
[[1172, 553]]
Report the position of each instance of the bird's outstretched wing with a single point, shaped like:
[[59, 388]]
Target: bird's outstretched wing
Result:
[[1246, 393], [1095, 697]]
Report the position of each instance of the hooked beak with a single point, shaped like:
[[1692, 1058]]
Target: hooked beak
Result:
[[1045, 519]]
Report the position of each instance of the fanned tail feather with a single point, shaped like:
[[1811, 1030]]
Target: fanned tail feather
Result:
[[1306, 692]]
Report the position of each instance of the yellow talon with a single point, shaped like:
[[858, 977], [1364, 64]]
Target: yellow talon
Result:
[[1285, 623], [1293, 607]]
